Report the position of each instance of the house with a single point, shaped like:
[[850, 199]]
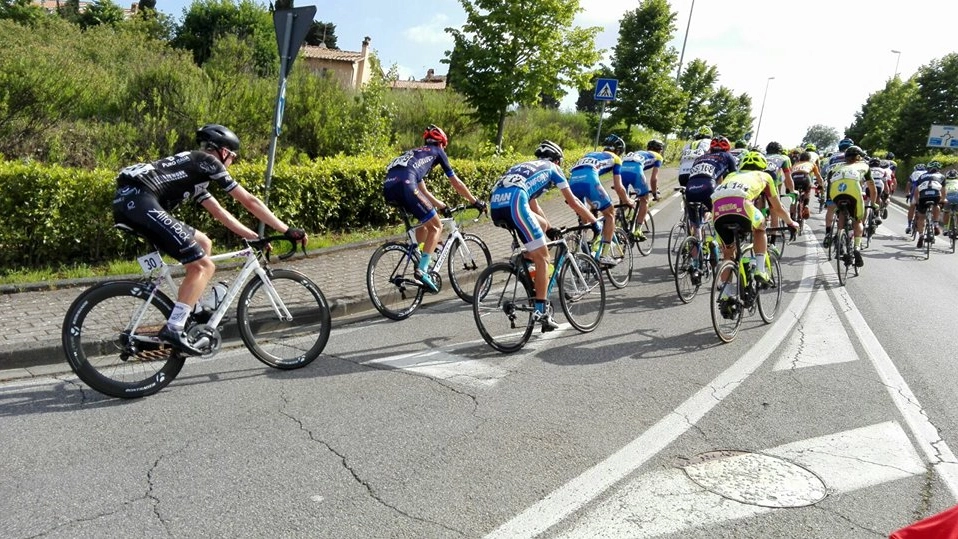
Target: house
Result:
[[353, 69], [431, 82], [51, 6]]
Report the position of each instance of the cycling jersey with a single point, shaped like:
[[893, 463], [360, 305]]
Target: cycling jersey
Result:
[[737, 154], [584, 177], [951, 190], [690, 153], [178, 177], [733, 201], [406, 172], [928, 188], [706, 171], [802, 174], [845, 183], [634, 165], [777, 165], [509, 203], [836, 159]]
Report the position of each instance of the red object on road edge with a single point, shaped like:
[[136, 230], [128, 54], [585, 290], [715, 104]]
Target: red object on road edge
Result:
[[944, 525]]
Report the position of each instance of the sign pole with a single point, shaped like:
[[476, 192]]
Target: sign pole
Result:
[[604, 91], [599, 129]]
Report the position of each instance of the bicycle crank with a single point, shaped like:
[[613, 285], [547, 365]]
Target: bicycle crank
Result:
[[205, 338]]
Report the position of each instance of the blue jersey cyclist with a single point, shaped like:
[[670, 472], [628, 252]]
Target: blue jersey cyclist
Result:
[[405, 186], [634, 165], [514, 206], [585, 185], [708, 171]]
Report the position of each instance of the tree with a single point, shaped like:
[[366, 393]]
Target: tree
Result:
[[643, 65], [207, 20], [21, 11], [322, 32], [697, 83], [509, 53], [101, 12], [822, 136], [586, 101], [935, 102], [730, 116], [880, 116]]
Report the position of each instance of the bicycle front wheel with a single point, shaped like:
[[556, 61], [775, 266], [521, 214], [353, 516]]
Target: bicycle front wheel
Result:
[[727, 308], [277, 340], [620, 273], [582, 291], [676, 236], [770, 297], [390, 281], [688, 277], [648, 229], [502, 306], [110, 339], [467, 259]]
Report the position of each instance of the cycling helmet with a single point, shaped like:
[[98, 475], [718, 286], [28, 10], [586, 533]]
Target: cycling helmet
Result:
[[874, 162], [889, 155], [549, 150], [934, 166], [215, 136], [920, 166], [854, 151], [773, 148], [615, 143], [805, 156], [753, 161], [655, 145], [845, 143], [719, 144], [811, 147], [952, 174], [435, 135], [740, 144], [703, 132]]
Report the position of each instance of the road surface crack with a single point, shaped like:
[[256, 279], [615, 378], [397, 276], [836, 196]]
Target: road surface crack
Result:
[[852, 522]]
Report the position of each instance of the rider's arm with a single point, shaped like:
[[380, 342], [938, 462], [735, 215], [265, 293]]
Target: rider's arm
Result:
[[789, 183], [429, 196], [252, 203], [577, 206], [654, 182], [462, 189], [620, 190]]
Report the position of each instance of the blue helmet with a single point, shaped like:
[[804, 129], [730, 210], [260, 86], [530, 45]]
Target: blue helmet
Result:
[[844, 144]]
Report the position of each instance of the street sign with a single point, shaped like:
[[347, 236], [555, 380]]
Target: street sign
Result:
[[943, 136], [605, 89], [292, 25]]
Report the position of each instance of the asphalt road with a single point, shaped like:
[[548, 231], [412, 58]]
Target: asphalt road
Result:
[[834, 421]]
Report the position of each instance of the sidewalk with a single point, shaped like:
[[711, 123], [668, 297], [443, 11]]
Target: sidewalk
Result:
[[31, 321]]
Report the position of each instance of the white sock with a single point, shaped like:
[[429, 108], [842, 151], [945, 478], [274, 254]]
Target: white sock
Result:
[[177, 320], [760, 263], [729, 289]]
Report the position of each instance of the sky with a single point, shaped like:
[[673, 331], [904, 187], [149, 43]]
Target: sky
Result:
[[826, 57]]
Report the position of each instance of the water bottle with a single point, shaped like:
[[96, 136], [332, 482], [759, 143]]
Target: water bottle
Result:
[[531, 268], [749, 267], [212, 299]]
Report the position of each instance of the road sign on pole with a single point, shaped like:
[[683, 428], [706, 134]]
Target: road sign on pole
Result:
[[943, 136], [605, 89]]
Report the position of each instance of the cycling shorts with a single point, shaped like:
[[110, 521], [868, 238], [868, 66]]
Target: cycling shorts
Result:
[[699, 189], [586, 186], [636, 179], [140, 210], [928, 196], [511, 210], [803, 183], [403, 190], [683, 179], [735, 210], [852, 189]]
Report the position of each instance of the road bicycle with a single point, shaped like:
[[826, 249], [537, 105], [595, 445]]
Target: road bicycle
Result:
[[626, 218], [841, 245], [735, 290], [619, 250], [870, 226], [678, 233], [390, 276], [504, 296], [110, 331], [820, 195], [952, 230], [928, 234], [694, 264]]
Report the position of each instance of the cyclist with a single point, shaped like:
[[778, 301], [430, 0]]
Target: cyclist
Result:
[[708, 171], [927, 191], [880, 175], [405, 186], [803, 170], [894, 170], [734, 202], [812, 152], [845, 182], [740, 149], [514, 207], [949, 194], [634, 165], [834, 160], [837, 158], [147, 193], [585, 185], [916, 173], [694, 149]]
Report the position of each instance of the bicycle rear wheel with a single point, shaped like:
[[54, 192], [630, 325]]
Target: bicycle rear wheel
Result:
[[843, 254], [110, 340], [648, 228], [502, 307], [582, 291], [727, 308], [467, 259], [620, 273], [688, 278], [953, 230], [278, 342], [390, 281], [770, 298], [676, 236]]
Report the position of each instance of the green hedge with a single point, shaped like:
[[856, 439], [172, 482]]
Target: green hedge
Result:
[[52, 215]]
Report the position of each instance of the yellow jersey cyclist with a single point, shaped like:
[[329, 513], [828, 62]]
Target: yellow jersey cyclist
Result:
[[949, 195], [585, 185], [844, 182], [513, 206], [733, 201], [634, 165]]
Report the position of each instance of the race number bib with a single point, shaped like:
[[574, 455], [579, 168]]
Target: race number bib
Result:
[[703, 169], [400, 161]]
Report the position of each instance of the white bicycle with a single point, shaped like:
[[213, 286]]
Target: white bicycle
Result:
[[110, 330]]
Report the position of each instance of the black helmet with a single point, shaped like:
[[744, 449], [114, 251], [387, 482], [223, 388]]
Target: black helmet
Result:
[[549, 150], [854, 151], [952, 174], [740, 144], [213, 136], [655, 145], [889, 155], [615, 143], [773, 148], [805, 156], [874, 162], [933, 166]]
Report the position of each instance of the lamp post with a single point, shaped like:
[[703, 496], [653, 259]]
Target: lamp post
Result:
[[762, 112], [896, 60], [684, 41]]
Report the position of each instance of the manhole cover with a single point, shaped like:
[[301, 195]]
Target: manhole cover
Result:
[[755, 479]]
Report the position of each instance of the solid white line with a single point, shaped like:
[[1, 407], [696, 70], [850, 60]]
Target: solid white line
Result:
[[575, 494], [819, 340]]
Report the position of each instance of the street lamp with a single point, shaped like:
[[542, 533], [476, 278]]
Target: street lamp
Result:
[[684, 41], [762, 112], [896, 60]]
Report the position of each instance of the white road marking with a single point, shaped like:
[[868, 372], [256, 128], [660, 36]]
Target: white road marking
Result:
[[575, 494], [669, 502], [820, 338]]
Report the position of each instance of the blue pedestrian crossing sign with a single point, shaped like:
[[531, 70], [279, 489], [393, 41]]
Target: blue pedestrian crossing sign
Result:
[[605, 89]]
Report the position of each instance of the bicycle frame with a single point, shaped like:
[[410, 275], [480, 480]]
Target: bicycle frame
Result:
[[454, 234]]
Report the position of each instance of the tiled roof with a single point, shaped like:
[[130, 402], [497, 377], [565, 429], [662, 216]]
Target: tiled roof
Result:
[[417, 85], [322, 53]]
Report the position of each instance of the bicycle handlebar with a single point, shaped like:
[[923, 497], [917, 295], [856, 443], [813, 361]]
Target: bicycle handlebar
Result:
[[263, 244]]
